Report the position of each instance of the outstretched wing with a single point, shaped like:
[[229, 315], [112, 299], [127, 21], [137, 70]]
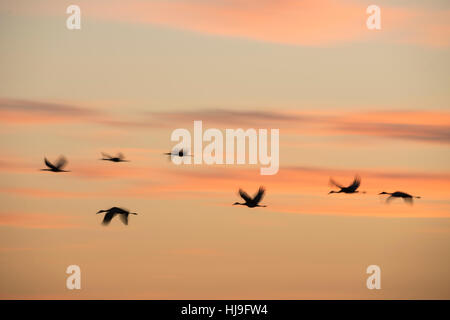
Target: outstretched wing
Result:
[[62, 161], [120, 156], [408, 200], [108, 217], [355, 184], [389, 199], [49, 164], [334, 183], [106, 155], [258, 197], [119, 210], [124, 218], [244, 195]]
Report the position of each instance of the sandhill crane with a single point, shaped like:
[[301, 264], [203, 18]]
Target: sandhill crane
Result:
[[251, 202], [180, 153], [350, 189], [58, 167], [112, 212], [119, 158], [398, 194]]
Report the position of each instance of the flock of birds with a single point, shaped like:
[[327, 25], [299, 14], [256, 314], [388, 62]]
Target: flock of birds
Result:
[[250, 202]]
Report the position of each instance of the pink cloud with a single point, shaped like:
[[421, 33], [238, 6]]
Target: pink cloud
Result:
[[308, 22], [35, 221], [422, 125]]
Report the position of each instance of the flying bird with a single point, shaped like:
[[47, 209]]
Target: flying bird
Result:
[[251, 202], [112, 212], [119, 158], [398, 194], [350, 189], [180, 153], [57, 167]]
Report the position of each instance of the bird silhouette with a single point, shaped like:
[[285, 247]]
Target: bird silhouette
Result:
[[58, 167], [350, 189], [398, 194], [119, 158], [251, 202], [112, 212], [179, 153]]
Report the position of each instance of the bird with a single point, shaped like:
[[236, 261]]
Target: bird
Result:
[[179, 153], [58, 167], [398, 194], [251, 202], [119, 158], [112, 212], [350, 189]]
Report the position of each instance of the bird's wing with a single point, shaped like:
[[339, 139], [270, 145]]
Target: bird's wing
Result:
[[106, 155], [404, 194], [355, 184], [408, 200], [244, 195], [258, 197], [108, 217], [62, 161], [334, 183], [49, 164], [124, 218], [120, 156], [389, 199], [120, 210]]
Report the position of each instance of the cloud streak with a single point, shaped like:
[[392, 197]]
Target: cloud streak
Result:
[[306, 23], [35, 221], [420, 126], [17, 111]]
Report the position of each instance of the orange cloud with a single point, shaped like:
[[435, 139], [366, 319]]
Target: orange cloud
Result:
[[422, 126], [35, 221], [14, 111], [307, 22], [305, 191], [311, 22], [292, 181], [40, 193]]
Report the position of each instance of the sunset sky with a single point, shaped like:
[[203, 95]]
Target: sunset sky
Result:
[[347, 100]]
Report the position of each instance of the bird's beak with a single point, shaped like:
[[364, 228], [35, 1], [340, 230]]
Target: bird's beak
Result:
[[99, 212]]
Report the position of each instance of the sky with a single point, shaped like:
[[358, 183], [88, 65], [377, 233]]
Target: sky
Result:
[[347, 101]]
